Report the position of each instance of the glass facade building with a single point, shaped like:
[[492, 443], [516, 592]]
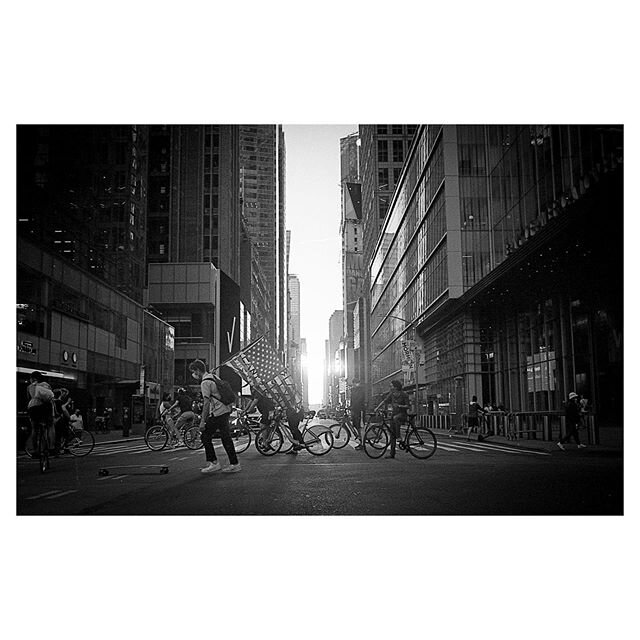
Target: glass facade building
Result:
[[86, 335], [492, 256]]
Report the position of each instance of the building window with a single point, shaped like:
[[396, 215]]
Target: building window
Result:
[[383, 151], [381, 129], [396, 129], [396, 174], [383, 178], [398, 151]]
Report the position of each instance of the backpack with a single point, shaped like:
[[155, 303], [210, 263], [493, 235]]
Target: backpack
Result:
[[227, 394]]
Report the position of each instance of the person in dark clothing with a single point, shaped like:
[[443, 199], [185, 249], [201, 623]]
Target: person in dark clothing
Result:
[[294, 416], [357, 407], [263, 404], [573, 416], [184, 403], [399, 401], [473, 416]]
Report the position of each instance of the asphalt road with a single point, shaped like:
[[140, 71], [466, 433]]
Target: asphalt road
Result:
[[462, 478]]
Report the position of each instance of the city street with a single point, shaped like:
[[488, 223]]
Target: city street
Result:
[[462, 478]]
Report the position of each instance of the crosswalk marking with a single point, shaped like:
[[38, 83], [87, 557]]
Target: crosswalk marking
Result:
[[42, 495], [63, 493]]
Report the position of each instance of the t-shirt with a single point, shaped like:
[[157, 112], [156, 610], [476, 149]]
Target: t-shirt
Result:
[[209, 390], [474, 408], [76, 422]]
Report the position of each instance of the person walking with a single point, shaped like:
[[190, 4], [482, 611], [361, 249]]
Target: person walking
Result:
[[400, 404], [573, 416], [215, 416], [40, 408], [356, 408], [473, 416]]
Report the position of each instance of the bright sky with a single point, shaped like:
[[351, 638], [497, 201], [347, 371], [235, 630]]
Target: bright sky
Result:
[[313, 216]]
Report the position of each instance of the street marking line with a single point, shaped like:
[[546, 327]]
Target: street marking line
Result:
[[42, 495], [497, 447], [59, 495], [119, 477]]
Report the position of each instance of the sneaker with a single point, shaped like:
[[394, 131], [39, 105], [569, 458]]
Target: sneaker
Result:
[[294, 451], [358, 447], [211, 467], [560, 445], [582, 446], [232, 468]]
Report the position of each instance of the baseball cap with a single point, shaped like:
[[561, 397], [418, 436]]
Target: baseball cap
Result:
[[573, 395]]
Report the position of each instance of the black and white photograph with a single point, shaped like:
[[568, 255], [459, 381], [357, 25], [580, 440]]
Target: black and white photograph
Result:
[[446, 339], [319, 306]]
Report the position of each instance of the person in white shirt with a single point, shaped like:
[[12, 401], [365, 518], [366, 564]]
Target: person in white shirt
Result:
[[76, 422], [215, 416]]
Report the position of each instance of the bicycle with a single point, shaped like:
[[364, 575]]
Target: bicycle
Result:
[[343, 431], [420, 442], [77, 442], [241, 430], [158, 436], [317, 439], [39, 444]]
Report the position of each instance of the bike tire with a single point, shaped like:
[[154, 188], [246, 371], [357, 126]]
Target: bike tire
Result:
[[375, 441], [156, 437], [421, 442], [269, 441], [318, 443], [193, 438], [81, 444], [341, 435], [241, 437]]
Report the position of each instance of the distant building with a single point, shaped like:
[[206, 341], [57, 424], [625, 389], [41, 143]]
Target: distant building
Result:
[[294, 360]]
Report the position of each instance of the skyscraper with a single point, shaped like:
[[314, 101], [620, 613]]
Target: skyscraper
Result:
[[294, 359], [353, 276], [82, 194], [194, 199], [262, 171]]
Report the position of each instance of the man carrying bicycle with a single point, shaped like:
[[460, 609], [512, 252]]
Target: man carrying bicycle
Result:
[[399, 402]]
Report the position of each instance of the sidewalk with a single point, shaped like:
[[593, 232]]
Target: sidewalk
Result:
[[522, 443]]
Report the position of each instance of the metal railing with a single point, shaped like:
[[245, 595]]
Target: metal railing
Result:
[[517, 425]]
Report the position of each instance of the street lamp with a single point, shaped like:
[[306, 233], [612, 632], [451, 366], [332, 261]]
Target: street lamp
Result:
[[415, 357]]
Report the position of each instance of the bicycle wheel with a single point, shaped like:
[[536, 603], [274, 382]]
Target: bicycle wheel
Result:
[[421, 442], [192, 438], [156, 437], [81, 443], [269, 440], [318, 440], [241, 436], [376, 440], [340, 434]]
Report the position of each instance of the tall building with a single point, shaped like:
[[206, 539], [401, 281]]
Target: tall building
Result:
[[353, 272], [82, 195], [294, 359], [305, 373], [383, 151], [194, 197], [195, 242], [81, 221], [262, 171], [335, 359], [491, 258]]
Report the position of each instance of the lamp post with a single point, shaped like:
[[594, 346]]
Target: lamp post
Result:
[[415, 357]]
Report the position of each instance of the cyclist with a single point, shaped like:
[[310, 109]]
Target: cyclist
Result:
[[40, 407], [61, 416], [185, 404], [166, 409], [399, 401]]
